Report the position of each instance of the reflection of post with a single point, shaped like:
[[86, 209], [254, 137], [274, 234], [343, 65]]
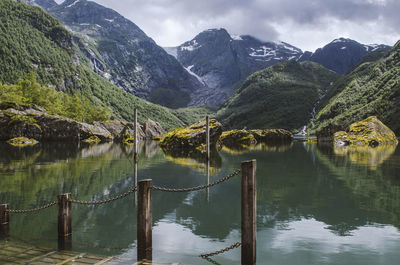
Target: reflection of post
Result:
[[135, 137], [208, 180], [4, 221], [144, 221], [249, 212], [208, 137], [64, 222]]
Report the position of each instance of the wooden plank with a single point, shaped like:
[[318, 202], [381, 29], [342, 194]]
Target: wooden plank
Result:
[[104, 261], [249, 212]]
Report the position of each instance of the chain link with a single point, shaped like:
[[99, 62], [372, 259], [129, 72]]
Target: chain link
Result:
[[236, 172], [234, 245], [105, 201], [34, 209]]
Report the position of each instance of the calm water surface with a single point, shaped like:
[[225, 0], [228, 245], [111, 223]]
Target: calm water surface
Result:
[[316, 205]]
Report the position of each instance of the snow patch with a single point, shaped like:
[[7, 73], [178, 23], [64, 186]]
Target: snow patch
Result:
[[74, 3], [288, 47], [109, 20], [191, 46], [343, 48], [236, 37], [262, 51], [189, 69]]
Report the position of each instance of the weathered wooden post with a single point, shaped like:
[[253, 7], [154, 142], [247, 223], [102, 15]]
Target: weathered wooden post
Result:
[[249, 212], [208, 137], [135, 136], [64, 222], [4, 221], [144, 221]]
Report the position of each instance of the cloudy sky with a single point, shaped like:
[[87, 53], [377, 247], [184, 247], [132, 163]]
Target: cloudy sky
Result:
[[307, 24]]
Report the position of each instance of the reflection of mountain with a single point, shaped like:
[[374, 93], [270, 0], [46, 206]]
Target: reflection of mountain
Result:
[[375, 186], [368, 156]]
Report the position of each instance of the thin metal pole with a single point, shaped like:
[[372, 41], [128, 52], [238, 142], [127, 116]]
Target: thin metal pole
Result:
[[208, 181], [208, 137], [249, 212], [144, 221], [135, 135]]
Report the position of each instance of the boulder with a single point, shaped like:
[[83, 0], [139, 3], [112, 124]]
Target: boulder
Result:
[[370, 131], [272, 135], [241, 138], [191, 139], [152, 130], [237, 138], [122, 131], [36, 124]]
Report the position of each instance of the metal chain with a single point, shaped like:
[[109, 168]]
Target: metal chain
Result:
[[34, 209], [105, 201], [198, 187], [234, 245]]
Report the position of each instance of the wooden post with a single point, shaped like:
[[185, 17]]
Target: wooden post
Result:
[[144, 221], [4, 221], [249, 212], [208, 137], [64, 222], [135, 137]]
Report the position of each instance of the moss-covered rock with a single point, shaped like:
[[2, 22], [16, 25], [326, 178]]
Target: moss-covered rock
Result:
[[370, 131], [22, 141], [272, 135], [92, 140], [237, 138], [37, 124], [191, 139]]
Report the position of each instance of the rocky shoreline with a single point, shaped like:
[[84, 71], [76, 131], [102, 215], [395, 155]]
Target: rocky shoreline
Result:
[[36, 124]]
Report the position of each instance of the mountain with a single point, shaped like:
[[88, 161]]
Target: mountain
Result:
[[221, 61], [372, 88], [281, 96], [33, 41], [341, 55], [120, 51]]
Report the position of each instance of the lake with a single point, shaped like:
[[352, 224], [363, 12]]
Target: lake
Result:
[[316, 204]]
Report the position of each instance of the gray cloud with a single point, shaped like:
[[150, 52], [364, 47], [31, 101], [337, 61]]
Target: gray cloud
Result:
[[307, 24]]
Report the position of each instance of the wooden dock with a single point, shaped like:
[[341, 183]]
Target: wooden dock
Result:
[[18, 253]]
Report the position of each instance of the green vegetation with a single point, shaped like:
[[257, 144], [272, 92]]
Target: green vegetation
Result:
[[33, 41], [281, 96], [372, 89], [29, 92]]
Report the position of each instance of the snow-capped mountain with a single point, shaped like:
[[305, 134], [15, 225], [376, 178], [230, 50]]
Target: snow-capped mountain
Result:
[[341, 55], [222, 61], [120, 51]]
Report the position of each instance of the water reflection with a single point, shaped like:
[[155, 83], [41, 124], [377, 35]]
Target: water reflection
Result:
[[314, 206], [241, 149], [366, 155]]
